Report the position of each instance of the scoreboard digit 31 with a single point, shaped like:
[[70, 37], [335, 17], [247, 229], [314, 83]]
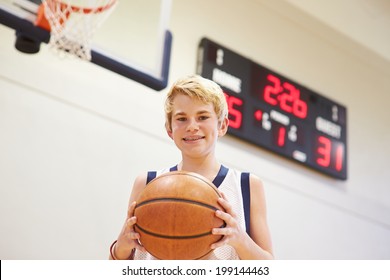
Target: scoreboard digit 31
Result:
[[271, 111]]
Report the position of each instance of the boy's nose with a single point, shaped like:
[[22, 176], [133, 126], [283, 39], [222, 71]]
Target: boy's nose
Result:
[[192, 125]]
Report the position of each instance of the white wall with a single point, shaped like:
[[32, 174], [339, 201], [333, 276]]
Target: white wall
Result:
[[73, 136]]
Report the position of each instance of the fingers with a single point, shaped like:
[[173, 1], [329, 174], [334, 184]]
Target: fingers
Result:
[[131, 221], [226, 205], [228, 232], [134, 235], [130, 228], [224, 216], [219, 243], [129, 224], [130, 210], [129, 238], [139, 246], [227, 214]]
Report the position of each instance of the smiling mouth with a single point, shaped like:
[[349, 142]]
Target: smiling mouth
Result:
[[193, 138]]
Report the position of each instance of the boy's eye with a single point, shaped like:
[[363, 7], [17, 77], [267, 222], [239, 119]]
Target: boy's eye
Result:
[[202, 118], [181, 119]]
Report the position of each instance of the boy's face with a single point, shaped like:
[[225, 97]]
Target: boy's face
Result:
[[195, 126]]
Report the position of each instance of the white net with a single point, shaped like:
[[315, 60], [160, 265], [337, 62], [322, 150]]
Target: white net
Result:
[[74, 22]]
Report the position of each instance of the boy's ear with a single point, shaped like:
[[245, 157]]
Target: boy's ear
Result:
[[169, 131], [223, 127]]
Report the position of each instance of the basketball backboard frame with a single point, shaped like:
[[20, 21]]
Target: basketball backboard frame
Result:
[[20, 15]]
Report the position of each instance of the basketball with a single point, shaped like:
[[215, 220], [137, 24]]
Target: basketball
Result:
[[175, 214]]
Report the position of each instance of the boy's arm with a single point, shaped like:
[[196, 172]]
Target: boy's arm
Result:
[[259, 230], [127, 240]]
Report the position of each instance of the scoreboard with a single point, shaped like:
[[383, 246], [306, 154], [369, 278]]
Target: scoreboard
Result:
[[276, 113]]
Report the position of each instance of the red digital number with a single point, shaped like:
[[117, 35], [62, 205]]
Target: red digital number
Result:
[[339, 157], [330, 153], [281, 136], [300, 108], [235, 115], [286, 95], [271, 91], [324, 151]]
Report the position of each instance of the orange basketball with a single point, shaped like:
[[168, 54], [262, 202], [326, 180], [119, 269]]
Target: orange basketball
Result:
[[175, 214]]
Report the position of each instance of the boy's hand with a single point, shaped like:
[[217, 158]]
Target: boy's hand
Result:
[[232, 232], [128, 238]]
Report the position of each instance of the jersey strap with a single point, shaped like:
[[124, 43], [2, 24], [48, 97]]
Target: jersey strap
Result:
[[246, 198], [220, 176], [151, 176]]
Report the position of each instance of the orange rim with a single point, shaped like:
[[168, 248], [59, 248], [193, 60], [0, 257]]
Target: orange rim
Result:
[[81, 10]]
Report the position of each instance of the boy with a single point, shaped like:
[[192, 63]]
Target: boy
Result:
[[196, 116]]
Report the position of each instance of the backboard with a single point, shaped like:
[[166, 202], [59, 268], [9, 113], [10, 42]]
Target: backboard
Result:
[[134, 41]]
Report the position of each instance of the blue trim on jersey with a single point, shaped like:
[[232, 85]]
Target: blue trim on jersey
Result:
[[151, 176], [217, 180], [220, 176], [246, 197]]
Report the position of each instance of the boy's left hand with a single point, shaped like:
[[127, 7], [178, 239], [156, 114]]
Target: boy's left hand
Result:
[[232, 232]]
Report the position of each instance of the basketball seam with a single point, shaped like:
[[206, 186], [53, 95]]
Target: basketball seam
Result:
[[173, 236], [167, 199]]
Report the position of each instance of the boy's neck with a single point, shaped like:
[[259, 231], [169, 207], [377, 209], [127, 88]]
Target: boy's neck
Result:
[[204, 167]]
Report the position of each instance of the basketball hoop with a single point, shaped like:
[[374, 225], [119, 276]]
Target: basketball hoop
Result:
[[73, 23]]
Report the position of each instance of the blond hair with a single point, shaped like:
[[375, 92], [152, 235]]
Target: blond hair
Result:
[[198, 87]]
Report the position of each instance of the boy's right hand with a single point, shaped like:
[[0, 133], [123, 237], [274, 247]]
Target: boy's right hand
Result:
[[128, 238]]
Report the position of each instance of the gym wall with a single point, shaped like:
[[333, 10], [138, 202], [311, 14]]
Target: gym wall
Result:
[[73, 137]]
